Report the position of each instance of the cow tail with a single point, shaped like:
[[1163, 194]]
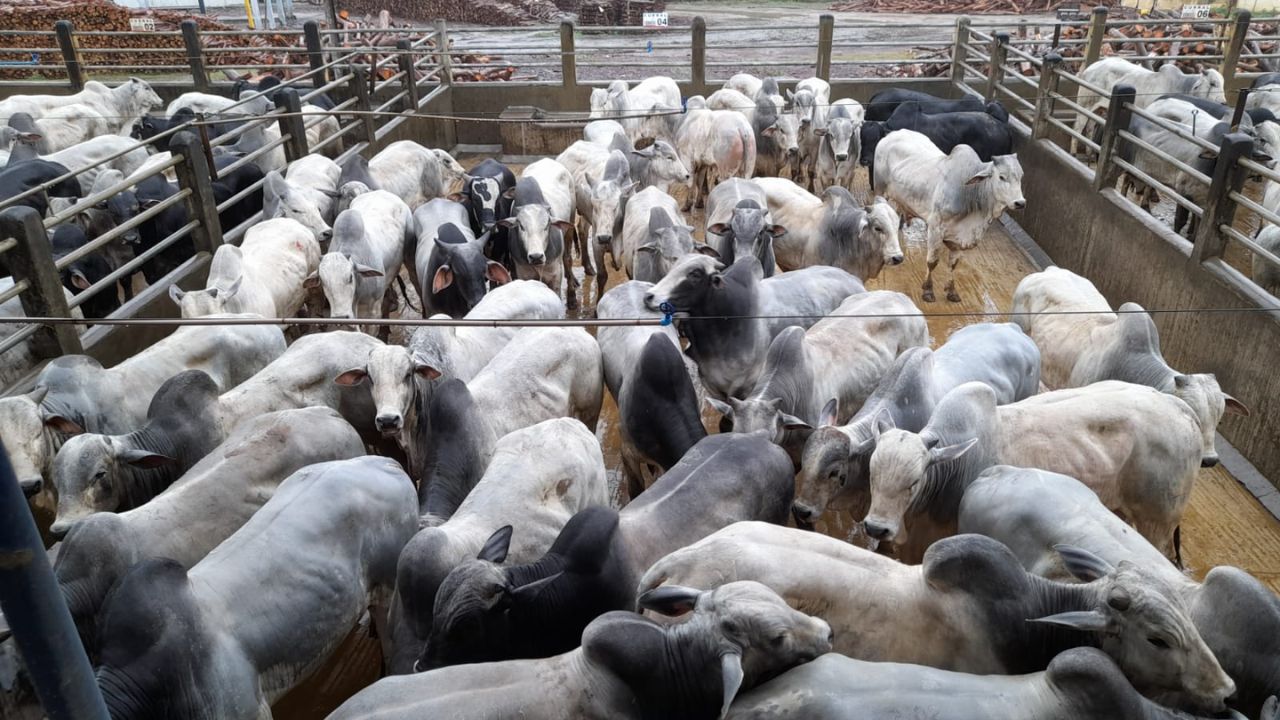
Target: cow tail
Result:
[[1177, 547], [749, 155], [404, 293]]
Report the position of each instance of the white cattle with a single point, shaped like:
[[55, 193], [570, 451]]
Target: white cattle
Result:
[[1082, 342], [831, 230], [364, 257], [463, 351], [18, 360], [200, 102], [120, 106], [972, 591], [94, 152], [414, 173], [253, 136], [538, 477], [1137, 448], [654, 236], [957, 195], [602, 185], [649, 110], [264, 275], [714, 145], [542, 212], [602, 132], [839, 145], [307, 193], [69, 125], [839, 358], [733, 100], [1264, 272], [1149, 85]]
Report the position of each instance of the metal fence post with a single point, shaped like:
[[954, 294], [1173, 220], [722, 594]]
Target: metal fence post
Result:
[[568, 58], [995, 69], [315, 52], [410, 79], [959, 53], [826, 36], [1219, 209], [359, 76], [1118, 116], [698, 56], [195, 54], [1097, 31], [1045, 102], [1236, 38], [33, 262], [446, 60], [70, 56], [193, 174], [37, 611], [292, 124]]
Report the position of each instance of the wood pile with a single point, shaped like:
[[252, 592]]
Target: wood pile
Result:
[[1015, 7], [617, 12], [381, 32], [1147, 44], [479, 12]]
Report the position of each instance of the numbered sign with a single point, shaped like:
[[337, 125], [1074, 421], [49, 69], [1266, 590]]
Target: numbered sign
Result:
[[1195, 12], [142, 24], [655, 19]]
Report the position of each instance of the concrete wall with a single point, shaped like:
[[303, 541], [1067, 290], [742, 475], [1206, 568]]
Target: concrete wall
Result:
[[1133, 257]]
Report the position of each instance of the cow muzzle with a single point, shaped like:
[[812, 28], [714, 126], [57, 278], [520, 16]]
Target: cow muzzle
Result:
[[841, 157], [604, 240], [536, 258], [1209, 461], [388, 423], [31, 486], [803, 515], [876, 530], [793, 151], [894, 260], [1019, 204], [59, 529]]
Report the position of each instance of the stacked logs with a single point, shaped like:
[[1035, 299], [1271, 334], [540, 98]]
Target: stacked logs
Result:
[[1147, 44], [480, 12], [1015, 7], [376, 33]]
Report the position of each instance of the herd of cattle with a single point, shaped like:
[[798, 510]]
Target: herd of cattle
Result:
[[233, 500]]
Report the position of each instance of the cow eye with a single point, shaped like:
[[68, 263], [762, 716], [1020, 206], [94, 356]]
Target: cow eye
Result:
[[100, 475], [697, 274], [1158, 642], [779, 639], [729, 627]]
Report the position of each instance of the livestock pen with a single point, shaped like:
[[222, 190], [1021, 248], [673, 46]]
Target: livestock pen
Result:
[[1211, 315]]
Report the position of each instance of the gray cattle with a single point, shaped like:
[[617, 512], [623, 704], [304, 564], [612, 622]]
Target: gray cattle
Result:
[[777, 137], [542, 211], [654, 237], [452, 272], [653, 386], [1149, 85], [715, 145], [602, 206], [93, 472], [1139, 449], [200, 510], [657, 165], [835, 468], [307, 193], [838, 361], [1079, 684], [461, 352], [1262, 271], [1032, 511], [738, 215], [839, 146], [832, 230], [986, 614], [366, 253], [537, 479], [629, 667], [957, 195], [747, 311], [724, 479], [1082, 341], [298, 576], [75, 394], [414, 173]]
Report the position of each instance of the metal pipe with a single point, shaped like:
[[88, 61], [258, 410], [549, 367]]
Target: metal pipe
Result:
[[37, 613]]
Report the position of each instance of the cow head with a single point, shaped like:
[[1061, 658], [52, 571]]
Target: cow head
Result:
[[750, 229], [899, 465], [482, 193], [25, 438], [759, 415], [143, 98], [464, 267], [879, 228], [869, 137], [452, 170], [392, 373], [280, 199], [340, 277], [688, 283], [88, 474], [534, 224], [803, 105], [1002, 179], [599, 102], [785, 132], [1143, 623], [665, 166], [608, 197], [831, 465], [1209, 85], [838, 137], [349, 192], [209, 301], [1204, 396]]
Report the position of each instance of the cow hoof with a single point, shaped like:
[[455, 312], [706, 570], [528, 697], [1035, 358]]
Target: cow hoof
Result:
[[927, 296], [953, 296], [589, 270]]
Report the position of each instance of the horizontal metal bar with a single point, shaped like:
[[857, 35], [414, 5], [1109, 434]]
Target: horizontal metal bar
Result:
[[254, 155], [1262, 211], [101, 241], [7, 244], [753, 63], [913, 61], [1080, 109], [1016, 97], [18, 337], [1159, 187], [1095, 89], [1257, 168], [1072, 132], [392, 101], [325, 142], [14, 291], [1249, 242], [129, 268], [1172, 127], [85, 203], [1158, 153]]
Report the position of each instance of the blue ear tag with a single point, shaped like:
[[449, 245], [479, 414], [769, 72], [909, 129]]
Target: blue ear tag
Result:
[[667, 311]]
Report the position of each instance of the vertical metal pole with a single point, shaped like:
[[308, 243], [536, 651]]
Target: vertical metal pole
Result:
[[698, 56], [1118, 114], [33, 262], [1045, 102], [38, 615], [826, 36], [292, 124], [410, 80], [999, 52], [70, 56], [1097, 31], [1236, 38], [193, 175], [195, 55], [959, 54], [446, 61], [568, 60], [1219, 208], [359, 76], [1242, 102], [315, 52]]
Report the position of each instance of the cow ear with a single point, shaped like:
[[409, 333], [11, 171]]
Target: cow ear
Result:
[[883, 422], [497, 273], [564, 225], [1082, 564], [1085, 620], [531, 591], [425, 371], [948, 453], [442, 279], [647, 248], [457, 197], [1271, 709], [63, 425], [509, 193], [776, 231], [176, 294], [830, 413], [79, 280], [233, 288], [507, 222], [770, 131], [351, 378], [721, 407], [143, 459], [820, 132], [1235, 406], [148, 203], [791, 422], [704, 249], [669, 600], [731, 678], [718, 229], [368, 272], [496, 547], [987, 171], [312, 282]]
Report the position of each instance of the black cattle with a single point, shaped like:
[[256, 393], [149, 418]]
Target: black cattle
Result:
[[151, 191], [152, 125], [658, 409], [84, 272], [981, 131], [17, 178], [485, 612], [883, 104], [230, 184], [269, 85], [456, 444]]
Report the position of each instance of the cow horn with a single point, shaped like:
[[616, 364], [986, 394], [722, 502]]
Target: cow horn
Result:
[[731, 675]]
